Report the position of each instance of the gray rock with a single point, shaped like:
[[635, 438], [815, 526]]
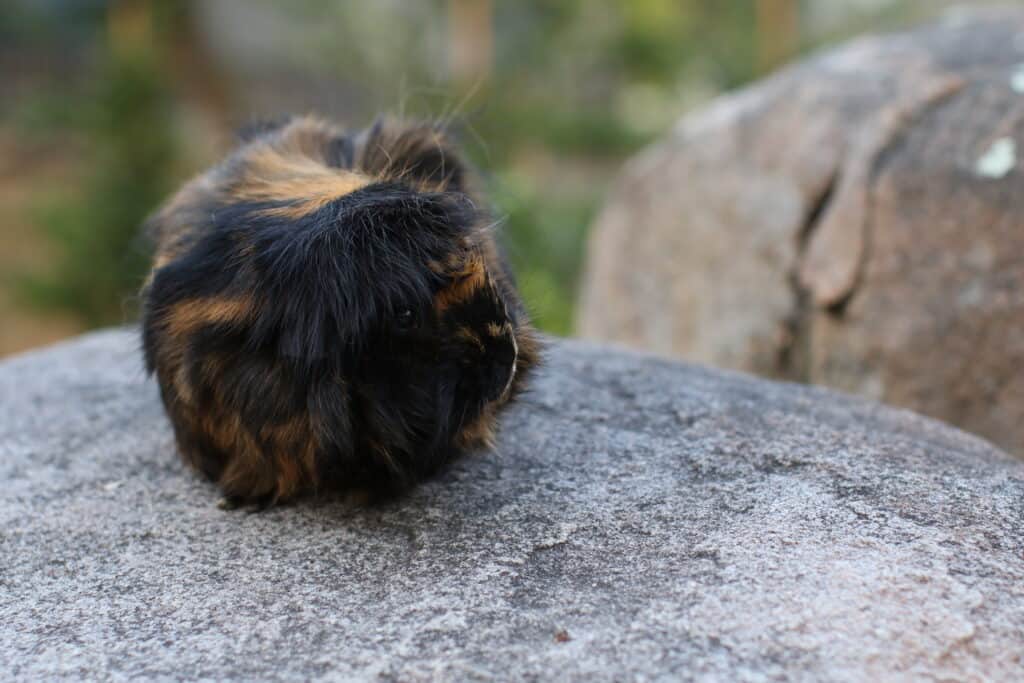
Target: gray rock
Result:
[[643, 520], [852, 221]]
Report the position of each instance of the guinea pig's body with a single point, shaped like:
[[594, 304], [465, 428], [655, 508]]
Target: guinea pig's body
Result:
[[329, 311]]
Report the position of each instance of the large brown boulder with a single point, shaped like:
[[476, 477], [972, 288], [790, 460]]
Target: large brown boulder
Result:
[[856, 220]]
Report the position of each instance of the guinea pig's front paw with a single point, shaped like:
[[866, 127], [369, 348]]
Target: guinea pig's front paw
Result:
[[251, 505]]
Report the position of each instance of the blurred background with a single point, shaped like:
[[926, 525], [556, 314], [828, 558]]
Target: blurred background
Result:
[[106, 106]]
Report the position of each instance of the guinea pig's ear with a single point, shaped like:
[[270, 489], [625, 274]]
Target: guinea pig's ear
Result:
[[422, 153], [258, 127], [340, 152]]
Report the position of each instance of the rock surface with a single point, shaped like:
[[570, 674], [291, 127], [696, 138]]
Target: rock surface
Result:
[[855, 221], [644, 520]]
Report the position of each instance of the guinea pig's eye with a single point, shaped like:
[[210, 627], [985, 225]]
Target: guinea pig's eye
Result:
[[405, 319]]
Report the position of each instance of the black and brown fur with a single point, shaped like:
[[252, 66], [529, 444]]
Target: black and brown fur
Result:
[[328, 310]]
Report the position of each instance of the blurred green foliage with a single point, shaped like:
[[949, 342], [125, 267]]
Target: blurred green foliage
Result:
[[570, 89], [119, 130], [586, 86], [574, 86], [127, 141]]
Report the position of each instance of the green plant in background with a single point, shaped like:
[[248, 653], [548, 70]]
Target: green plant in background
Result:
[[95, 230], [544, 247], [575, 88], [556, 95], [568, 90], [123, 130]]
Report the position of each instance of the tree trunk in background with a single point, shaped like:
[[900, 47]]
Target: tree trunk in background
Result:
[[199, 78], [130, 27], [471, 41], [778, 32]]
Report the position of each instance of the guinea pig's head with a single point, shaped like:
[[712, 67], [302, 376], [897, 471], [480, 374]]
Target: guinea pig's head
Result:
[[352, 278], [435, 368]]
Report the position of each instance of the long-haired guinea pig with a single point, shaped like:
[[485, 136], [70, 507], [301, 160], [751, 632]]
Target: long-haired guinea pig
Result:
[[328, 311]]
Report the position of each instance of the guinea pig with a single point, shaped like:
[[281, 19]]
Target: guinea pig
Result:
[[328, 310]]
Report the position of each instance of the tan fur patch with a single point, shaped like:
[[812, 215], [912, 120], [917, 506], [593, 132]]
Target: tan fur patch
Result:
[[246, 473], [294, 445], [188, 315], [162, 259], [182, 386], [306, 136], [470, 279], [468, 335], [304, 183], [479, 433], [289, 475], [496, 330]]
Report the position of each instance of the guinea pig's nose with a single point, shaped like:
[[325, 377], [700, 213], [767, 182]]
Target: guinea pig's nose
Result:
[[503, 352]]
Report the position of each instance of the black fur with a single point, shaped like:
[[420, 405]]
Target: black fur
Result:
[[330, 339]]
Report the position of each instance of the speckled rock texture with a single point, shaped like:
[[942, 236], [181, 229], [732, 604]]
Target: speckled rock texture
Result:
[[641, 520], [855, 221]]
